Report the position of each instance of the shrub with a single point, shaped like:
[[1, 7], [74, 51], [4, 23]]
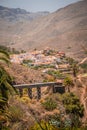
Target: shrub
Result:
[[14, 114], [73, 108], [27, 61], [72, 104], [55, 74], [49, 104], [25, 100], [56, 120], [49, 79], [70, 60], [48, 126], [84, 65], [43, 126]]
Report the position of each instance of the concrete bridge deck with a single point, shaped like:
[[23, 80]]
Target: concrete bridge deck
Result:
[[37, 85], [56, 86]]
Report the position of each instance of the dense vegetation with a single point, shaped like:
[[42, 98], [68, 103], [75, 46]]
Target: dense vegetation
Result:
[[68, 119]]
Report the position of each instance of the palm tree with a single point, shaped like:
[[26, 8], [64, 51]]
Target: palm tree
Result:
[[68, 82], [5, 86], [75, 69], [5, 79], [4, 57]]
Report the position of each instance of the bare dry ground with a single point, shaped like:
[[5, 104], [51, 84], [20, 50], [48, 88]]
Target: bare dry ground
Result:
[[24, 75]]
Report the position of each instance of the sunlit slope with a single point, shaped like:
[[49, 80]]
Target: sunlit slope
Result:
[[65, 29]]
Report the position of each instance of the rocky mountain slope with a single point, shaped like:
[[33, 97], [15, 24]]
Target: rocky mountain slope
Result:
[[17, 14], [65, 30]]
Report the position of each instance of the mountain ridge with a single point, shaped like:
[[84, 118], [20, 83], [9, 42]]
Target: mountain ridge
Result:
[[17, 14], [65, 30]]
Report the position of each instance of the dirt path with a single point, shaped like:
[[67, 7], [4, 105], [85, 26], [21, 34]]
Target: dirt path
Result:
[[83, 60]]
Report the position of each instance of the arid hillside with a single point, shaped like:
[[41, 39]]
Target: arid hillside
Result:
[[23, 74], [65, 30]]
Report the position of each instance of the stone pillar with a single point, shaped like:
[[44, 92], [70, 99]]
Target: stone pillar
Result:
[[38, 93], [53, 88], [21, 92], [30, 93]]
